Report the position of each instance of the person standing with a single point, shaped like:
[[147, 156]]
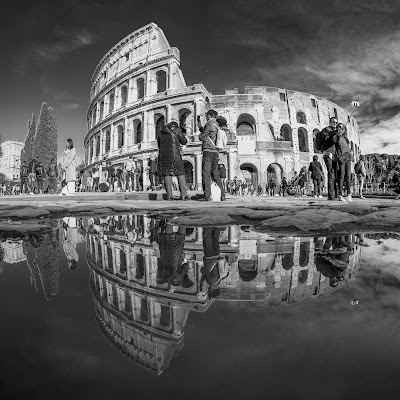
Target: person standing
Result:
[[317, 176], [284, 186], [208, 136], [129, 174], [110, 176], [361, 173], [24, 178], [39, 176], [329, 155], [170, 163], [32, 175], [272, 185], [68, 166], [52, 175], [343, 154], [95, 178], [152, 168]]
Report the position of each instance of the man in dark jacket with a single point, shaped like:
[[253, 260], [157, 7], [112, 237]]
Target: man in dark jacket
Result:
[[329, 154], [317, 176], [208, 136]]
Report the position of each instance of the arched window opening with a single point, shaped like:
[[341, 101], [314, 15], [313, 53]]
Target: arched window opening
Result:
[[185, 121], [301, 118], [245, 125], [144, 310], [160, 123], [111, 103], [138, 133], [98, 143], [165, 316], [124, 95], [108, 141], [102, 109], [121, 136], [304, 256], [287, 261], [140, 88], [95, 115], [303, 140], [286, 133], [161, 78], [128, 303], [140, 266]]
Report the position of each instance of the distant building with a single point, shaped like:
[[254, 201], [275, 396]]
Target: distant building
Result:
[[13, 251], [10, 161]]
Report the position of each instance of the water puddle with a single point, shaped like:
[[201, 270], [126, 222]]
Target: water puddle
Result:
[[225, 290]]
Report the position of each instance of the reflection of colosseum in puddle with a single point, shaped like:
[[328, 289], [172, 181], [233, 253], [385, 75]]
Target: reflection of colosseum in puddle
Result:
[[145, 320]]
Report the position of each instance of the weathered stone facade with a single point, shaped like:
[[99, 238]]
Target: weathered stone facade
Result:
[[10, 161], [138, 86]]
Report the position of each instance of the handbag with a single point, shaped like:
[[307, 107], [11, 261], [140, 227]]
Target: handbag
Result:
[[344, 157]]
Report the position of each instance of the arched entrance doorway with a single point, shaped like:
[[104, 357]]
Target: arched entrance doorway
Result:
[[250, 174], [275, 171], [187, 165]]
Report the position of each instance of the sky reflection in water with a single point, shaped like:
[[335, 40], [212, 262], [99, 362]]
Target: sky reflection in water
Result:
[[154, 285]]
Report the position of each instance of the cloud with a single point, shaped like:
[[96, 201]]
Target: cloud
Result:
[[54, 95], [70, 106], [47, 54]]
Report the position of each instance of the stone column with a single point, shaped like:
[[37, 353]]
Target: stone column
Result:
[[146, 176], [131, 90], [199, 235], [168, 113], [170, 76], [199, 168], [148, 90], [145, 130], [231, 165], [232, 235], [197, 112]]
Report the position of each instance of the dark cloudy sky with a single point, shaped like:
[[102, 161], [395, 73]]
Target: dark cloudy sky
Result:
[[339, 49]]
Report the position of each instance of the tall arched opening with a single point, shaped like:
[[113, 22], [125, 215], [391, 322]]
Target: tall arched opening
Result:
[[161, 79], [246, 125], [275, 171], [303, 140], [286, 133], [186, 121], [188, 166], [250, 173]]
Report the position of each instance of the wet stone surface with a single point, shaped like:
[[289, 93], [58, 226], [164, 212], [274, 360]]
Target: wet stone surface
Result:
[[115, 306]]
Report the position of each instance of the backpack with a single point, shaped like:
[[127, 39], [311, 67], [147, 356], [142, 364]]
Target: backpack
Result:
[[319, 141], [357, 168], [222, 140]]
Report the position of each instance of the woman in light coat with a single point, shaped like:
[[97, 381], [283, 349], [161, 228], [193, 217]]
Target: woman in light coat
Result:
[[68, 167]]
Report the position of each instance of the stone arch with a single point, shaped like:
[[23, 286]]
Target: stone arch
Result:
[[286, 133], [185, 116], [108, 141], [102, 109], [161, 80], [275, 171], [189, 172], [287, 261], [98, 144], [159, 123], [140, 88], [137, 131], [247, 269], [304, 254], [120, 136], [245, 125], [250, 173], [303, 140], [94, 115], [301, 118], [124, 95], [111, 102]]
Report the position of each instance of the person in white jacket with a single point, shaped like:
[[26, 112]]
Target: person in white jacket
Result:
[[68, 167]]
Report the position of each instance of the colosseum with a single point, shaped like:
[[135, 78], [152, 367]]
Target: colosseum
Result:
[[138, 86]]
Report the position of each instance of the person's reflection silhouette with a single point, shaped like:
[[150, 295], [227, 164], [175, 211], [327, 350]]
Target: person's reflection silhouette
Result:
[[70, 240], [215, 268], [172, 266], [334, 258]]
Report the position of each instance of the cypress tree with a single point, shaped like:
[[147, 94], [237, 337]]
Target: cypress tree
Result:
[[26, 152], [45, 141]]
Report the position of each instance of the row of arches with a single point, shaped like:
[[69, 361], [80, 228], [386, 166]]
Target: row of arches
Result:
[[108, 103]]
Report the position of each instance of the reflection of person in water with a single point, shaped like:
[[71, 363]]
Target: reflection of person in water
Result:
[[172, 267], [70, 240], [334, 257], [215, 268]]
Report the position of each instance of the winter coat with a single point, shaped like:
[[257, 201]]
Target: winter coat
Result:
[[342, 145], [170, 159], [68, 164], [328, 144], [316, 170]]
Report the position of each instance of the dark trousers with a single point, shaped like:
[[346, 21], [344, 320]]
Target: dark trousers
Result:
[[182, 185], [211, 241], [331, 167], [344, 177], [153, 179], [210, 168], [317, 186], [39, 180]]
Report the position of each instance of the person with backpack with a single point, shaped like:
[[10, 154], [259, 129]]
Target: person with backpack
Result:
[[361, 172], [317, 176], [329, 155], [210, 150]]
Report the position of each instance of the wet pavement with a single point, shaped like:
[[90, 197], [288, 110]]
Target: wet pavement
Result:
[[115, 306]]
